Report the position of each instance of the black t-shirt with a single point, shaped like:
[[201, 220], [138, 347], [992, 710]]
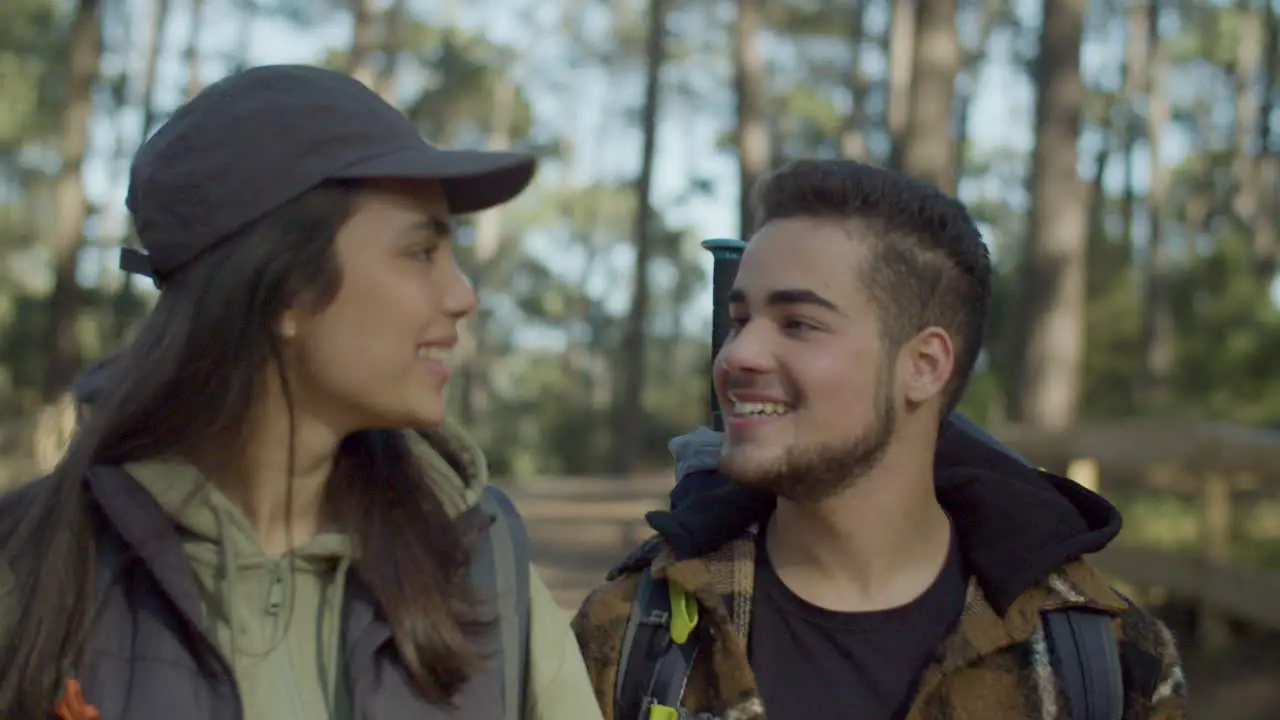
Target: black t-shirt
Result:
[[817, 664]]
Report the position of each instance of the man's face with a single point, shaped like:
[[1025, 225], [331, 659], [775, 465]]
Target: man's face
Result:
[[804, 380]]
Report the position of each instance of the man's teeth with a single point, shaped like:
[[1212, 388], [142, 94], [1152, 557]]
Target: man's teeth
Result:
[[760, 408], [433, 353]]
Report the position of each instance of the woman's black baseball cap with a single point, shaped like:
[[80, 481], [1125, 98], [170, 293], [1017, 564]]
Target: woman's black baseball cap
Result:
[[263, 136]]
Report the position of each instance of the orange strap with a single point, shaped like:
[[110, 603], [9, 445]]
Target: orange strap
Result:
[[72, 706]]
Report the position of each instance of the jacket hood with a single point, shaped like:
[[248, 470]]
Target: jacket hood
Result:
[[1016, 524], [455, 465]]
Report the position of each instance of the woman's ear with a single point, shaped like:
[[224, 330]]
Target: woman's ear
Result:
[[288, 325]]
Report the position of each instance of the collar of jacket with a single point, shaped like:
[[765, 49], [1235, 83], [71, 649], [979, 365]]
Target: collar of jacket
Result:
[[723, 582], [1014, 528]]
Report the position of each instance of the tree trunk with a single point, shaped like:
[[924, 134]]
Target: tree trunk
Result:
[[155, 49], [966, 88], [1267, 234], [364, 41], [1053, 301], [476, 390], [963, 101], [1135, 83], [248, 11], [160, 12], [384, 82], [901, 51], [1248, 165], [1096, 198], [853, 137], [929, 152], [752, 130], [630, 431], [66, 237], [1157, 316], [194, 80]]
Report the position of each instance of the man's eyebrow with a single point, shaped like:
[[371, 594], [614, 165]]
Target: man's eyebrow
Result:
[[790, 296]]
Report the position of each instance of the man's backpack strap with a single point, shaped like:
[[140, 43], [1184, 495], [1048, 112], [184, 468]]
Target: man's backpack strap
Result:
[[1087, 660], [509, 544], [658, 650], [654, 668]]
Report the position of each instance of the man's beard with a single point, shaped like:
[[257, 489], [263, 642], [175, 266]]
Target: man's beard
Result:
[[812, 473]]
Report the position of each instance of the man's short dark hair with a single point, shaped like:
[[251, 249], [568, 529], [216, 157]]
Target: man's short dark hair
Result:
[[928, 263]]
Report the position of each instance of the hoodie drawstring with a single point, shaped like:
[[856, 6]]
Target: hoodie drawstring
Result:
[[280, 592], [227, 587]]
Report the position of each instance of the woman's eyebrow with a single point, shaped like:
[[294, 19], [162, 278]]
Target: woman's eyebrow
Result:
[[435, 225]]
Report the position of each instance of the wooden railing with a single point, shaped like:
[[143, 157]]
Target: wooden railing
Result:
[[1215, 465]]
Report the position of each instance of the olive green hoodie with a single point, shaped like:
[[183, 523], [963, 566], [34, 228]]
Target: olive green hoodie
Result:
[[278, 619]]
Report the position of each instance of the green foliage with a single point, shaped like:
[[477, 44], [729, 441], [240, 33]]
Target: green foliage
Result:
[[458, 98], [554, 294], [30, 32], [1229, 332], [1114, 357]]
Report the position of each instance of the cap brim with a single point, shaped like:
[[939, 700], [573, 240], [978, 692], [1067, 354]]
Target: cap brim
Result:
[[473, 180]]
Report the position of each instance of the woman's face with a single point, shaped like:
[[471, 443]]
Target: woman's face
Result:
[[377, 356]]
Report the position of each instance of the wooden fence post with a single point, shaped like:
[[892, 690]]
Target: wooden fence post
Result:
[[1216, 525], [1085, 472]]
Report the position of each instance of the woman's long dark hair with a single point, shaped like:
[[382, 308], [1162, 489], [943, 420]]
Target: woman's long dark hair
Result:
[[186, 382]]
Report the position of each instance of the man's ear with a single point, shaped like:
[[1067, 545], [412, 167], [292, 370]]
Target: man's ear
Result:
[[926, 364]]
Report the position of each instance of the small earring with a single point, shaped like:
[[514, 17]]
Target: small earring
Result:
[[289, 331]]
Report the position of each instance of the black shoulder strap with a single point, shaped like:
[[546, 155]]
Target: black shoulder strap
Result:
[[653, 669], [109, 550], [509, 543], [108, 547], [1087, 660]]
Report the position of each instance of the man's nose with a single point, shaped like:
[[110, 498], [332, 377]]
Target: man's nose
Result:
[[747, 350]]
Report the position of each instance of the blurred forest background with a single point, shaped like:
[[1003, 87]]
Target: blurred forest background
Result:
[[1124, 158]]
